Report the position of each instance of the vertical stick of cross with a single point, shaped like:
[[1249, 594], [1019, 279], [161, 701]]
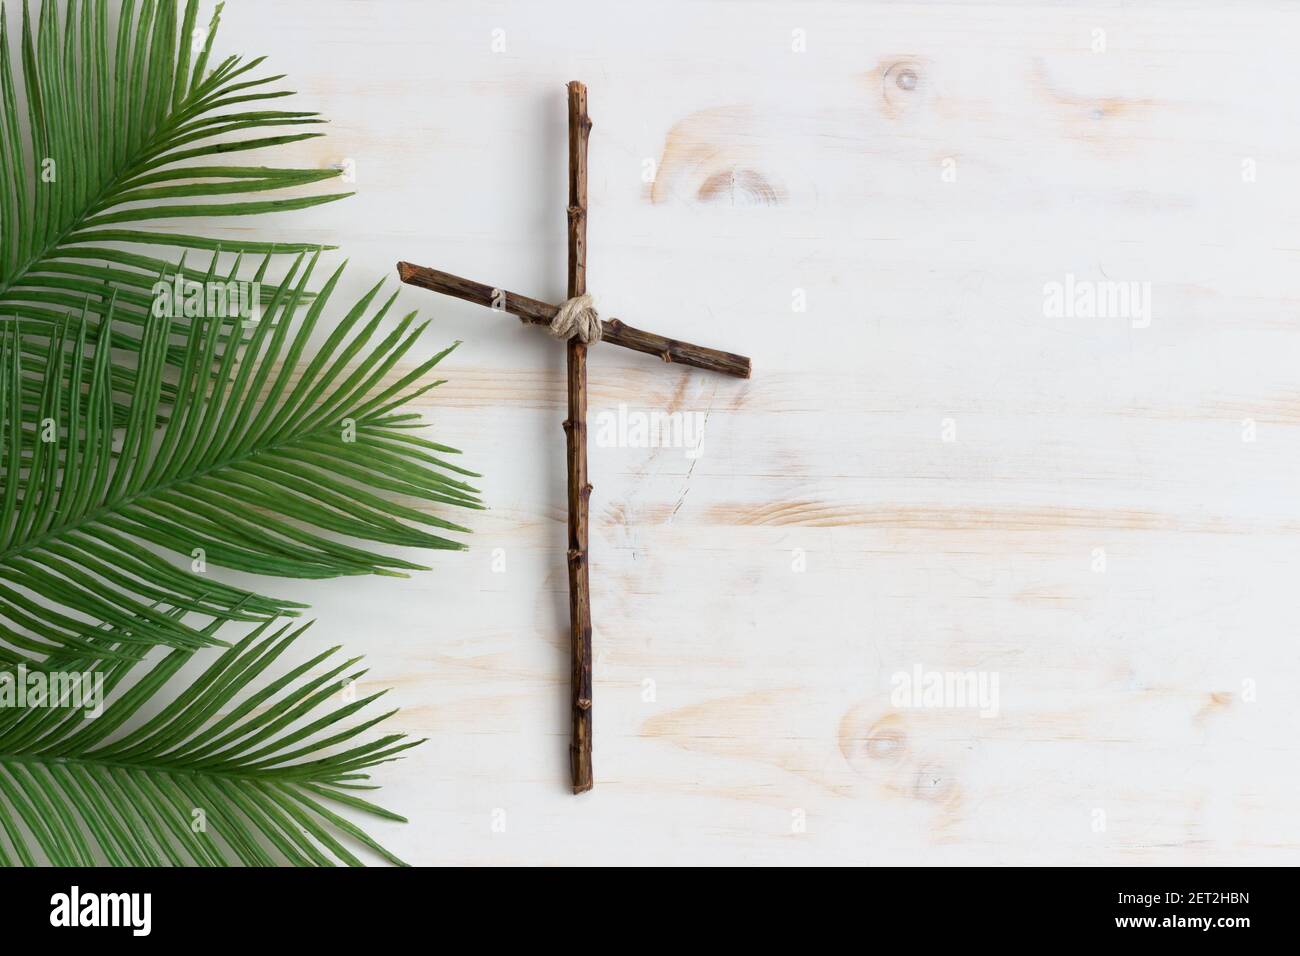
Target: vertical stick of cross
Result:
[[578, 323], [575, 431]]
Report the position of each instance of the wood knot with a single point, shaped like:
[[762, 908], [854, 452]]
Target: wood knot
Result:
[[904, 75], [886, 743], [904, 87], [739, 187], [584, 703], [871, 743], [934, 784]]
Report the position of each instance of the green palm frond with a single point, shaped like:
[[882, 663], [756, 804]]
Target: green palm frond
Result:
[[266, 465], [140, 444], [103, 134], [221, 774]]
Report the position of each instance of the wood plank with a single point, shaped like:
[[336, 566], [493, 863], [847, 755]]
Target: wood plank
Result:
[[1111, 529]]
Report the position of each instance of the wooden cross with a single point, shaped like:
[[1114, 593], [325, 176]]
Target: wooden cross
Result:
[[575, 427]]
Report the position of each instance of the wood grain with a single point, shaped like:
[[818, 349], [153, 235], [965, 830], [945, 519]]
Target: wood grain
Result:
[[1147, 712]]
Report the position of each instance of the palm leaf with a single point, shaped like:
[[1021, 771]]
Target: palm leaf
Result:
[[267, 464], [102, 135], [221, 774], [130, 435]]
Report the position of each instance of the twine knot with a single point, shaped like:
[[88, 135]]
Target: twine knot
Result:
[[577, 317]]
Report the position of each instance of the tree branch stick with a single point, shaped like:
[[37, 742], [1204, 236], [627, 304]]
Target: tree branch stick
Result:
[[575, 430], [536, 312]]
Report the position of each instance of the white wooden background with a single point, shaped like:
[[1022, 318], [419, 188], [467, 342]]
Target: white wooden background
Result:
[[1147, 710]]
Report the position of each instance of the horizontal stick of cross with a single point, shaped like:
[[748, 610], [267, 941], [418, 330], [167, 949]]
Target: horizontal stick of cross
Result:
[[575, 427], [535, 312]]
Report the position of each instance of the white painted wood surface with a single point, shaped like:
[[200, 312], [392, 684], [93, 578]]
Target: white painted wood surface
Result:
[[743, 709]]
